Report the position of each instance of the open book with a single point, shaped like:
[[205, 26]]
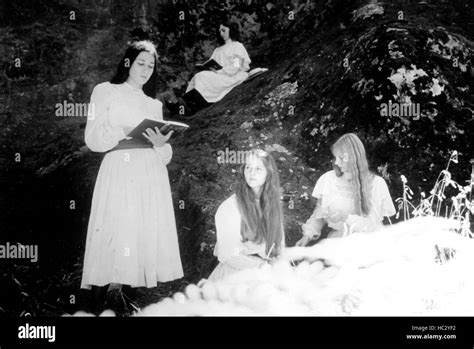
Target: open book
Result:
[[163, 125], [207, 65], [255, 72]]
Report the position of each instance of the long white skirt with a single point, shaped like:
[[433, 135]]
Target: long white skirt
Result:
[[213, 86], [131, 237]]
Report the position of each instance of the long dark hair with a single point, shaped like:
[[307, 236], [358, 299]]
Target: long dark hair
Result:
[[234, 32], [129, 57], [262, 220]]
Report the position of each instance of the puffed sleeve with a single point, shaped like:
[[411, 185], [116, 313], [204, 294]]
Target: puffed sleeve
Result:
[[243, 54], [321, 186], [100, 135], [313, 226], [322, 192], [229, 247], [166, 151], [381, 199]]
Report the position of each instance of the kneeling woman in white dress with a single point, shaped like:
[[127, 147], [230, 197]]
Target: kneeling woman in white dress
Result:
[[350, 199], [131, 237], [249, 224], [210, 86]]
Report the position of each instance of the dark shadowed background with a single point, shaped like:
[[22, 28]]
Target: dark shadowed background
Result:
[[332, 64]]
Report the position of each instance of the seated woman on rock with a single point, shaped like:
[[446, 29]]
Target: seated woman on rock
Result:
[[350, 198], [249, 224], [210, 86]]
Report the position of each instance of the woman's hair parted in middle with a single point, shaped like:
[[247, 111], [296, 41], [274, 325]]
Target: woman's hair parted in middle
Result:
[[358, 167], [234, 32], [262, 220], [126, 62]]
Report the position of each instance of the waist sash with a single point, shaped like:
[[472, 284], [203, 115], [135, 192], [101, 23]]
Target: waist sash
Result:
[[131, 144]]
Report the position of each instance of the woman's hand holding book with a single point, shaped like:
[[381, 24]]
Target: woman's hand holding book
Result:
[[156, 137]]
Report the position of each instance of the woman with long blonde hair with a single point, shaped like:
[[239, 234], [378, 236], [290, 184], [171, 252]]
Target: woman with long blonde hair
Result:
[[249, 224], [350, 198]]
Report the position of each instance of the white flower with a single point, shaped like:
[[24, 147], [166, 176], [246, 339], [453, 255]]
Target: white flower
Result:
[[454, 157], [436, 88]]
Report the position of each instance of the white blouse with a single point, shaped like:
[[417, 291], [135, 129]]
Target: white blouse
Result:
[[233, 57], [114, 107], [335, 195]]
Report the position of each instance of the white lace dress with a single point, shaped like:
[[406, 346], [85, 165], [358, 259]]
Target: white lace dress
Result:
[[131, 237], [213, 86], [335, 196]]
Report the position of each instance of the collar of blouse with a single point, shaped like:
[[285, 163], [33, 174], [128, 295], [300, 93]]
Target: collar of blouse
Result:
[[131, 88]]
